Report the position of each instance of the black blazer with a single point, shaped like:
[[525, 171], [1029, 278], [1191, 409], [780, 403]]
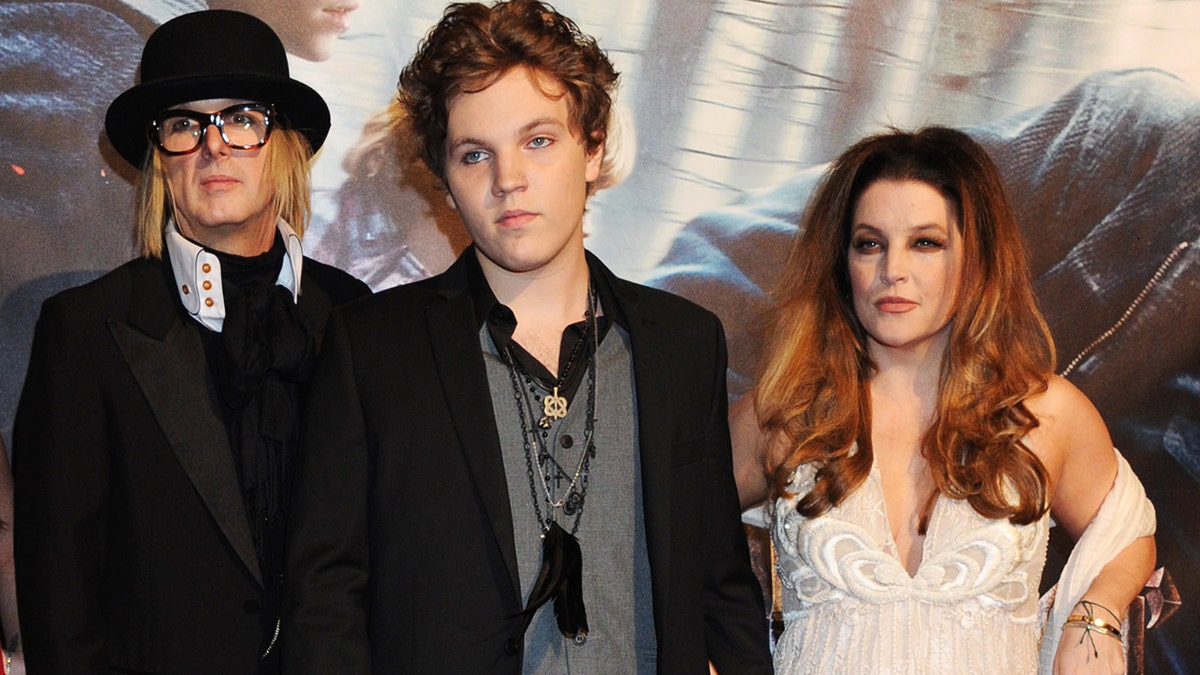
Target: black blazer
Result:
[[133, 549], [401, 556]]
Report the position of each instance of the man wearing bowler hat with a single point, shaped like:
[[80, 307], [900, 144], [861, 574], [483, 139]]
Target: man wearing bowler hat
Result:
[[155, 432]]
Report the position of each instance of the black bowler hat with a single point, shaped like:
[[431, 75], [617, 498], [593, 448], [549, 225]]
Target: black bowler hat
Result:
[[215, 53]]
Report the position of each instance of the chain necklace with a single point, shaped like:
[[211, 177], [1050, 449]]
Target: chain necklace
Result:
[[554, 407], [560, 575], [548, 468]]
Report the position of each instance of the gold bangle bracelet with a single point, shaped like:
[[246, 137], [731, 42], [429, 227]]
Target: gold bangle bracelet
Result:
[[1091, 627], [1098, 624]]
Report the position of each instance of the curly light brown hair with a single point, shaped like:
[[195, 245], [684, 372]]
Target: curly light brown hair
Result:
[[474, 45]]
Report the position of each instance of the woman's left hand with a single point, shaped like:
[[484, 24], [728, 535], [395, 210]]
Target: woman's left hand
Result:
[[1083, 651]]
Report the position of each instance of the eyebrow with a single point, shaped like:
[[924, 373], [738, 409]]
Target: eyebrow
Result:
[[530, 126], [924, 227]]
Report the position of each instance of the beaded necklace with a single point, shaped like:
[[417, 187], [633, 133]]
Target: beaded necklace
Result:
[[560, 575]]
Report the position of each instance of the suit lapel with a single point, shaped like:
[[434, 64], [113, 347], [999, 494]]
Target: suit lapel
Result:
[[315, 305], [455, 342], [649, 351], [167, 360]]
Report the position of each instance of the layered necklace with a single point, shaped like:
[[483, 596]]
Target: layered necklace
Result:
[[561, 573]]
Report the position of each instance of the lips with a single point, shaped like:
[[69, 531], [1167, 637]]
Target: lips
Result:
[[514, 218], [338, 15], [893, 304], [218, 182]]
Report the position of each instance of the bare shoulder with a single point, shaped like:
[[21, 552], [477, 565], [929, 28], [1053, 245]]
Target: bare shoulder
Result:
[[751, 446], [1073, 443], [1067, 422]]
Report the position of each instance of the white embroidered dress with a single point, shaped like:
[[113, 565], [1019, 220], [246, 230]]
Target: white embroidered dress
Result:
[[851, 607]]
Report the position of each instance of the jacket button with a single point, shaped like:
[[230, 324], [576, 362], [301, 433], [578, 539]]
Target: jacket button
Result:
[[511, 647], [252, 606]]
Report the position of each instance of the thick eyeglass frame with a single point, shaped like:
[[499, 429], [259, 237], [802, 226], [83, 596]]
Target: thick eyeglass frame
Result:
[[216, 119]]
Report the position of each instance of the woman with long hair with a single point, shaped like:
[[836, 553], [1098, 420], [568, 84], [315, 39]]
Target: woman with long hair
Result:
[[910, 430]]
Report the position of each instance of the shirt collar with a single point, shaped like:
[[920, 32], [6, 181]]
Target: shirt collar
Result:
[[198, 273], [485, 303], [502, 322]]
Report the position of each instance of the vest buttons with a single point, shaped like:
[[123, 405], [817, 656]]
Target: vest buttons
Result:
[[511, 647], [566, 441]]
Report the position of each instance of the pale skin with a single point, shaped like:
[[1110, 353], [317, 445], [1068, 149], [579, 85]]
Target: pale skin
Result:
[[307, 28], [221, 195], [904, 263], [518, 172]]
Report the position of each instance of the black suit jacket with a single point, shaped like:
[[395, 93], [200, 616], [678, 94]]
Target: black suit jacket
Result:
[[133, 549], [401, 556]]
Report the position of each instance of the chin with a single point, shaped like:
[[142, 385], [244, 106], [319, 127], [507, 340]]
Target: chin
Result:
[[314, 48]]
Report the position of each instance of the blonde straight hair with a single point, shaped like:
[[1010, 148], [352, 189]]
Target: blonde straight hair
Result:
[[288, 175]]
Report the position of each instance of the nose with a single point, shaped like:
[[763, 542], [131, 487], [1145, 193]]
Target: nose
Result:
[[212, 144], [894, 267], [508, 174]]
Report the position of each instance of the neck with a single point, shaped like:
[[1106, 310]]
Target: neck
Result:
[[242, 239], [918, 361], [908, 379], [553, 294], [545, 301]]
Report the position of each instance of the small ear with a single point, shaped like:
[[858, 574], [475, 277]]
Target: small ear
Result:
[[595, 159]]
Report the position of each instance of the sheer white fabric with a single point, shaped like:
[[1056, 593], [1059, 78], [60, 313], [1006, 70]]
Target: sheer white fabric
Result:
[[1125, 515], [851, 607]]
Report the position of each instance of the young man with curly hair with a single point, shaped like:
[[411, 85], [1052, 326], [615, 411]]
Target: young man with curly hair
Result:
[[525, 430]]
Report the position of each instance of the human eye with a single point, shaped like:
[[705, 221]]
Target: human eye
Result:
[[540, 142], [241, 119], [474, 156], [866, 244], [928, 243], [179, 125]]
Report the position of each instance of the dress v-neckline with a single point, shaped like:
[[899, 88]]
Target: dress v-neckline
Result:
[[890, 545]]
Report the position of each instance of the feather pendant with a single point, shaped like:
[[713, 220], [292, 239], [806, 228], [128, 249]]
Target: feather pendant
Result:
[[560, 577], [549, 574], [568, 602]]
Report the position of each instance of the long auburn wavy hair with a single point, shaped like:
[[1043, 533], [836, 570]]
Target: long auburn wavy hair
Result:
[[813, 394]]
